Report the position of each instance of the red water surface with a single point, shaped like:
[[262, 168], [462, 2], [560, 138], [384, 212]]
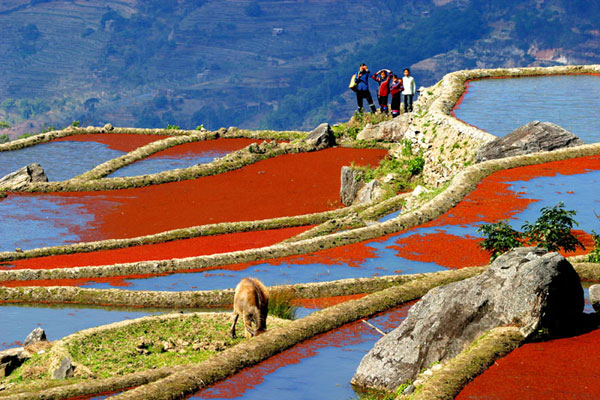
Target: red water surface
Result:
[[288, 185], [558, 369], [116, 141], [249, 378], [220, 146], [162, 251]]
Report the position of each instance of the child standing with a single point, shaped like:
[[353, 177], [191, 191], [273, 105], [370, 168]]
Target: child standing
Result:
[[396, 89], [410, 88], [383, 77]]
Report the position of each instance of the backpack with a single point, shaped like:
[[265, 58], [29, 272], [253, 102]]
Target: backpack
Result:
[[353, 84]]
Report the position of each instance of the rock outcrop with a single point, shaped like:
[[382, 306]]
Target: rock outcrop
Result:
[[321, 137], [525, 287], [388, 131], [350, 185], [64, 370], [37, 335], [23, 177], [533, 137], [11, 359]]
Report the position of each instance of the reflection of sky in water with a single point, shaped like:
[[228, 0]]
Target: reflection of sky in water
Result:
[[42, 220], [326, 374], [155, 165], [385, 259], [19, 321], [500, 106], [60, 160]]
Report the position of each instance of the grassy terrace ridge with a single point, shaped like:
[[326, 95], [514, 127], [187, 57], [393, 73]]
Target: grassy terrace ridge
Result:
[[133, 346], [176, 382]]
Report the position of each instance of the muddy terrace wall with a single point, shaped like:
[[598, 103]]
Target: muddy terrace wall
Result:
[[453, 143], [461, 185]]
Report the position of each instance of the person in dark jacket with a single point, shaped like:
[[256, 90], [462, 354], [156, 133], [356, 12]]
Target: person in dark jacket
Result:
[[362, 88], [383, 77], [396, 89]]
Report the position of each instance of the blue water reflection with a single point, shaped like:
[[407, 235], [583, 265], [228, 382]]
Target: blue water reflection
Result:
[[60, 160], [19, 320], [164, 163], [500, 106], [325, 368]]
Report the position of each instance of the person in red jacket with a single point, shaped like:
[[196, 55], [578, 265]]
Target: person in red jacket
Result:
[[396, 88], [383, 77]]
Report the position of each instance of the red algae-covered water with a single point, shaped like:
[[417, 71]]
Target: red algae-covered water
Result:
[[124, 142], [318, 368], [287, 185], [162, 251], [558, 369]]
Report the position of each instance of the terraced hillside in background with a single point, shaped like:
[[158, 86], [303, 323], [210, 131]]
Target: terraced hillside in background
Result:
[[98, 249], [223, 63]]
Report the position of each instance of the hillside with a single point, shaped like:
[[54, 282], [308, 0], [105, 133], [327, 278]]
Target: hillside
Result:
[[271, 64]]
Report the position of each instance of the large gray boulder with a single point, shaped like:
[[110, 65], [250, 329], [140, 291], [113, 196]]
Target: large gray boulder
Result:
[[19, 179], [526, 287], [321, 137], [533, 137]]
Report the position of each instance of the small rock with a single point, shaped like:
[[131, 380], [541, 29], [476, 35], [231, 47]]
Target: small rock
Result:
[[65, 370], [428, 372], [436, 367], [409, 389], [108, 128], [594, 291], [21, 178], [37, 335], [321, 137]]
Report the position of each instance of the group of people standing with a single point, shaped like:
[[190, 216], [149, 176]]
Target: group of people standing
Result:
[[401, 90]]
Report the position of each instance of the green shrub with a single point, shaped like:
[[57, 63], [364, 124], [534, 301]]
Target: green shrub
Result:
[[594, 256], [199, 127], [499, 238], [25, 135], [416, 165], [173, 127], [280, 304], [4, 125], [552, 230], [76, 123], [4, 138]]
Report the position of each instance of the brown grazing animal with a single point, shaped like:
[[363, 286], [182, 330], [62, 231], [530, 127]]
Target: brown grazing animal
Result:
[[251, 300]]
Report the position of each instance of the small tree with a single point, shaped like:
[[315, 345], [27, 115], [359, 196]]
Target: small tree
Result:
[[552, 230], [499, 238]]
